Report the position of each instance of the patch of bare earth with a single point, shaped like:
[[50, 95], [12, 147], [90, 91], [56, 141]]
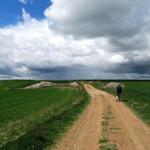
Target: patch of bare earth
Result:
[[42, 84], [124, 131], [84, 135]]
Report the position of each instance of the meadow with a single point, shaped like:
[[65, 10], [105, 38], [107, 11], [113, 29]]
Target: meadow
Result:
[[36, 118], [136, 95]]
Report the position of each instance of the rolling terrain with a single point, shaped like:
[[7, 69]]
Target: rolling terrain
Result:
[[60, 117]]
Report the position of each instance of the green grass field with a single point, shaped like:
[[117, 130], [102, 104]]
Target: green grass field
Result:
[[136, 95], [10, 84], [35, 118]]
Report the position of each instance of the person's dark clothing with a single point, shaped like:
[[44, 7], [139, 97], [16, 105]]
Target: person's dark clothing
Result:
[[118, 89]]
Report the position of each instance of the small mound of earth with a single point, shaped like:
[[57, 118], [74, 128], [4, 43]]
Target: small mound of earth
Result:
[[113, 85], [74, 84], [42, 84]]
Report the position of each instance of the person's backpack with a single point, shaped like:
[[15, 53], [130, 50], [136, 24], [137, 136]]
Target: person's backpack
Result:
[[119, 89]]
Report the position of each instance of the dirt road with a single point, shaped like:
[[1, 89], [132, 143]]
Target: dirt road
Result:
[[106, 124]]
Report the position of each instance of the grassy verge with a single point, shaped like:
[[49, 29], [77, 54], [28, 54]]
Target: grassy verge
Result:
[[35, 119], [48, 132], [136, 95]]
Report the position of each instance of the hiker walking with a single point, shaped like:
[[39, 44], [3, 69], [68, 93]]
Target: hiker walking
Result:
[[118, 90]]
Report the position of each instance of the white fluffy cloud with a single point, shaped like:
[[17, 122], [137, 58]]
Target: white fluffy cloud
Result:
[[118, 59], [26, 16], [32, 45]]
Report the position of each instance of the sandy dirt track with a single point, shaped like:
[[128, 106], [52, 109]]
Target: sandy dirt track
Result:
[[126, 130]]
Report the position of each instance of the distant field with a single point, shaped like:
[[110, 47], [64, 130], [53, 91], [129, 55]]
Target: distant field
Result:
[[10, 84], [35, 118], [136, 95]]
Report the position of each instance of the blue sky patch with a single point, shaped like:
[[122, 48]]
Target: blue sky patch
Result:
[[11, 10]]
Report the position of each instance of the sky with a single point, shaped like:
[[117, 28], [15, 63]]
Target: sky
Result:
[[67, 39]]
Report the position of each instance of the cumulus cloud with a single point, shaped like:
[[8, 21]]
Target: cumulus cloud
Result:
[[98, 17], [32, 48], [26, 16], [123, 23], [77, 40]]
